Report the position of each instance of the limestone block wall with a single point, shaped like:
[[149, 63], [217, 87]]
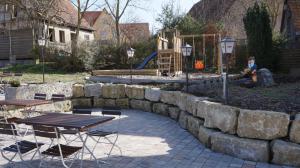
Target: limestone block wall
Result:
[[28, 91], [255, 135], [262, 136]]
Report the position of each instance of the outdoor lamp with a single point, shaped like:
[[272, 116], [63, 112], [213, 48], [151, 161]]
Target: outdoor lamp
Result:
[[227, 45], [186, 52], [130, 54], [42, 43]]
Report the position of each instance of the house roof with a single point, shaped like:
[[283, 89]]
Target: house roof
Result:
[[295, 9], [135, 31], [91, 16], [69, 16]]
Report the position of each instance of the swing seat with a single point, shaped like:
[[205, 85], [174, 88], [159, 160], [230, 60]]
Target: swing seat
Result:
[[199, 65]]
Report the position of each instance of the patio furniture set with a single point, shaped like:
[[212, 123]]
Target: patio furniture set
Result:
[[56, 135]]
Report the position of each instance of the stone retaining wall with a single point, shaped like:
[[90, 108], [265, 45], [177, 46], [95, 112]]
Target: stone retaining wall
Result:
[[263, 136]]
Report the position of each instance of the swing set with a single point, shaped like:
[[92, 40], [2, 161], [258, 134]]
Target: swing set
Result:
[[206, 53]]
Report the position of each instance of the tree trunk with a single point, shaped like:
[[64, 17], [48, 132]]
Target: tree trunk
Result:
[[118, 32]]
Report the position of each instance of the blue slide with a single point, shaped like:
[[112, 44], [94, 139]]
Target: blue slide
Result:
[[146, 60]]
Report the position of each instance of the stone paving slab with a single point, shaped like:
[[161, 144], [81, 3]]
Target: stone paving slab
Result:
[[151, 141]]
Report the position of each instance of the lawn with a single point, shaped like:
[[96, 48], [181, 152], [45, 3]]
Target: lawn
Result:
[[33, 74]]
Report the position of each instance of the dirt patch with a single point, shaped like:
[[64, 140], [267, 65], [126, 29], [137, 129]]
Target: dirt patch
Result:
[[284, 97]]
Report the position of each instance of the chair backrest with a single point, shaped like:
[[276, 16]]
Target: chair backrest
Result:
[[81, 110], [40, 96], [45, 131], [18, 74], [111, 111], [58, 97], [7, 73], [8, 129]]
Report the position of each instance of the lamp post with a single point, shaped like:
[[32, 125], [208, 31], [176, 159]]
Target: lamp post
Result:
[[227, 45], [130, 54], [186, 52], [42, 43]]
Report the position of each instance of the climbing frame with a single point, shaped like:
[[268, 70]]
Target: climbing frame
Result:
[[169, 54]]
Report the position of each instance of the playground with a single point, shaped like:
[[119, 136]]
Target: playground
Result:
[[204, 62]]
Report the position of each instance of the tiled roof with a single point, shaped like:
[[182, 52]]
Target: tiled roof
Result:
[[135, 31], [295, 9], [69, 16], [91, 16]]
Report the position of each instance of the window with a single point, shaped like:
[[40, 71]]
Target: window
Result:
[[87, 37], [62, 36], [14, 11], [51, 35]]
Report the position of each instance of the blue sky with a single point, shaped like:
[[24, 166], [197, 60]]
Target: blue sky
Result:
[[151, 10]]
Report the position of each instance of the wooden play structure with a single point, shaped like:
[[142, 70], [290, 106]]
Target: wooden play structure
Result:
[[169, 59], [200, 43], [206, 55]]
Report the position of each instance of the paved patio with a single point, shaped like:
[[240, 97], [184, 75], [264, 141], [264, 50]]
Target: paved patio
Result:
[[151, 141]]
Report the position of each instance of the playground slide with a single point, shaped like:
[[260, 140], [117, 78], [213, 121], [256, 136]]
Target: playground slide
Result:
[[146, 60]]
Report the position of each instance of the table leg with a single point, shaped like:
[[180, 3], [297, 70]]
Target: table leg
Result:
[[85, 146]]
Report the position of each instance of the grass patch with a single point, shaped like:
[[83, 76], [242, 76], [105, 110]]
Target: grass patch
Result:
[[34, 69], [34, 74]]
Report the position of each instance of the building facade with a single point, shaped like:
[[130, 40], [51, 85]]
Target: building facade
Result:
[[19, 34]]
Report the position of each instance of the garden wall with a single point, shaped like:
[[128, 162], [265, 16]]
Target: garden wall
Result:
[[255, 135]]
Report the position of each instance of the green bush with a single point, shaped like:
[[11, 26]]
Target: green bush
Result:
[[259, 36], [14, 83], [115, 57]]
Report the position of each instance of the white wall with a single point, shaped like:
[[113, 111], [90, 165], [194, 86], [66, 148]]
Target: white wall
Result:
[[67, 31]]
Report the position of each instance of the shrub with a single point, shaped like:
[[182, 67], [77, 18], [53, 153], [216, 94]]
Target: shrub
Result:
[[259, 35], [115, 57], [14, 83]]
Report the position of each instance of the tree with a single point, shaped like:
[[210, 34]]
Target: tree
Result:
[[259, 35], [188, 25], [82, 6], [117, 9], [169, 18], [273, 7]]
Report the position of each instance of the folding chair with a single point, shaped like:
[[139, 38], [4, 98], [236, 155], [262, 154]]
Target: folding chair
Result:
[[20, 148], [6, 118], [18, 74], [56, 149], [71, 132], [40, 96], [31, 110], [58, 97], [94, 134], [7, 73]]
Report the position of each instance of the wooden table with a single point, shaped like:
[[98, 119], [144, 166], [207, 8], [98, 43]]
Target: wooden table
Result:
[[68, 121], [23, 102], [27, 104]]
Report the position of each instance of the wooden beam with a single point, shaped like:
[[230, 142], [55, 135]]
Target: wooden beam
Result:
[[119, 72]]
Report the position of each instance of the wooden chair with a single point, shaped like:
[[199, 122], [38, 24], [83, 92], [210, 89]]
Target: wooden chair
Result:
[[71, 132], [99, 133], [37, 96], [56, 149], [40, 96], [20, 148], [58, 97], [7, 73], [18, 74]]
